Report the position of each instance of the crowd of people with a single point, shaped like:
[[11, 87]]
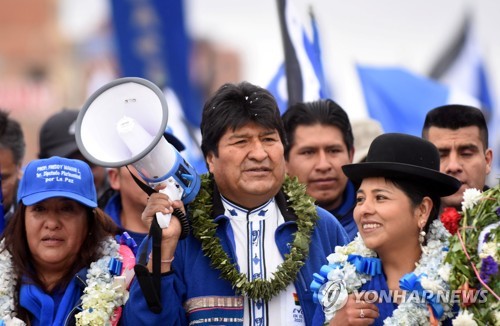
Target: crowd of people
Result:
[[297, 222]]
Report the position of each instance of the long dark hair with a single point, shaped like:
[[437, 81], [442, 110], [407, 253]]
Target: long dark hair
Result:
[[100, 226]]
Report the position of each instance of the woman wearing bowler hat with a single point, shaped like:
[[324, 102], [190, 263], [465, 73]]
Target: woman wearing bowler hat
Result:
[[393, 272]]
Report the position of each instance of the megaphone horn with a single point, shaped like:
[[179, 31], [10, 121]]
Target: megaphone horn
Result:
[[123, 123]]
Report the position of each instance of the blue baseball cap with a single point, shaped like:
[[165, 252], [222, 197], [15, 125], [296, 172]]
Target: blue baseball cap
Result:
[[57, 177]]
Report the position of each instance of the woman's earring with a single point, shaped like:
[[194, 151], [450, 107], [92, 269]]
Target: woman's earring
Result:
[[421, 239], [421, 236]]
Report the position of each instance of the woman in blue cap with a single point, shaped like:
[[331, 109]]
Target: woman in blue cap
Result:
[[59, 261], [393, 272]]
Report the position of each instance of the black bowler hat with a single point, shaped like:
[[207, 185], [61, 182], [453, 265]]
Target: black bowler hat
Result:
[[407, 157]]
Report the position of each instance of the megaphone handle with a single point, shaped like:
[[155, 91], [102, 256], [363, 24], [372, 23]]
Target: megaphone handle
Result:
[[163, 219], [184, 223]]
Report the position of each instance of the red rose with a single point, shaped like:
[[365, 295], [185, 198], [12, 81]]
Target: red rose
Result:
[[450, 219]]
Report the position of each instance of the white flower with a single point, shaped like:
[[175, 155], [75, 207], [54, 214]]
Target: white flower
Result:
[[490, 249], [351, 277], [464, 318], [336, 257], [444, 272], [7, 285], [471, 198], [13, 321], [487, 248], [496, 315], [104, 293], [358, 246], [431, 285]]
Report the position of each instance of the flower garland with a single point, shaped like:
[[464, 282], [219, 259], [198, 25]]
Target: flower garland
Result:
[[103, 293], [7, 285], [345, 268], [100, 297], [204, 229], [475, 257]]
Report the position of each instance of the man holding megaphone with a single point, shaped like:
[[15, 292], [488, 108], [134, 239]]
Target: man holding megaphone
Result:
[[122, 125], [256, 239]]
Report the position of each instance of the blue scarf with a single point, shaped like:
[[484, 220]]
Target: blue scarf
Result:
[[42, 306]]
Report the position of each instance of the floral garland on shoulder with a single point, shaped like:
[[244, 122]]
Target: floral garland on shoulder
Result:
[[100, 299], [475, 256], [353, 265], [105, 290], [204, 229]]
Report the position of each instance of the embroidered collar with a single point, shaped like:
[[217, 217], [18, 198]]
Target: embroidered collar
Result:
[[204, 229], [240, 213]]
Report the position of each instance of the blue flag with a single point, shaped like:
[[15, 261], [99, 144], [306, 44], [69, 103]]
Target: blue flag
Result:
[[301, 77], [152, 43], [400, 99]]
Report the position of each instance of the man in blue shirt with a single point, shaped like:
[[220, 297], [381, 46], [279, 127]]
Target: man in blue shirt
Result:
[[320, 142], [256, 237]]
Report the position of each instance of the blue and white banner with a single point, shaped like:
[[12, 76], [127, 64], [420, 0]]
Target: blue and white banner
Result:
[[152, 43], [301, 77]]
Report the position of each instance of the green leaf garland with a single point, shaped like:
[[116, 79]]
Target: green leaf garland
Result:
[[204, 229]]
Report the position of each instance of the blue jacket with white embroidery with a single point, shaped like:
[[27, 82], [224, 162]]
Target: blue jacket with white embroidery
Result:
[[193, 277]]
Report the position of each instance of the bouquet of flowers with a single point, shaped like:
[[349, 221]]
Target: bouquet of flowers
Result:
[[474, 255]]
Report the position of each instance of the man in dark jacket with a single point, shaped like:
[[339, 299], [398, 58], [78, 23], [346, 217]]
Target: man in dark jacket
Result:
[[320, 142]]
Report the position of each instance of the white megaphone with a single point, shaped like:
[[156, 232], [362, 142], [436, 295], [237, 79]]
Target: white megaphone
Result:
[[123, 123]]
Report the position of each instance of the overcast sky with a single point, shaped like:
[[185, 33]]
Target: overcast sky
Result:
[[410, 33]]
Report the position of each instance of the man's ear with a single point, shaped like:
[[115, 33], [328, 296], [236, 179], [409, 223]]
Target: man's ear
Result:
[[489, 159], [351, 154], [210, 161], [20, 172], [114, 178]]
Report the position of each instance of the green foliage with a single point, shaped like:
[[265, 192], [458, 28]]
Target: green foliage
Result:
[[204, 229]]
